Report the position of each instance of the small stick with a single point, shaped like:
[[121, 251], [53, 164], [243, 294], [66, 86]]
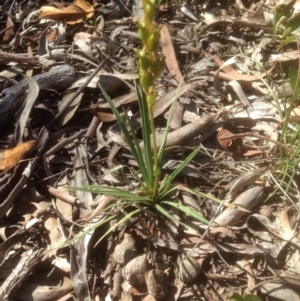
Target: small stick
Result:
[[65, 197], [68, 170], [64, 142]]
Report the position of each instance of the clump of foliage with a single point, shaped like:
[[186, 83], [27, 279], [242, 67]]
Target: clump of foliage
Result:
[[152, 193], [284, 15]]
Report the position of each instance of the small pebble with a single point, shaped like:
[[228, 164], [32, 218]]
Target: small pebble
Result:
[[189, 269], [157, 283], [134, 271]]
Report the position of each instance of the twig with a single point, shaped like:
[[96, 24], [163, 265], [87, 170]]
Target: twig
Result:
[[68, 170], [20, 273]]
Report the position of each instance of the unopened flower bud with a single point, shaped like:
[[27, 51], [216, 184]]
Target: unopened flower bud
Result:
[[154, 41], [156, 67], [146, 81], [151, 98], [153, 2], [144, 62], [149, 11], [143, 32]]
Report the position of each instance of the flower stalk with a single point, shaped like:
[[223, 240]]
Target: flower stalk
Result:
[[150, 69]]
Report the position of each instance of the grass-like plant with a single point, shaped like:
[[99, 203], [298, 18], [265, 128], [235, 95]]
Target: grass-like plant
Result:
[[289, 163], [153, 194]]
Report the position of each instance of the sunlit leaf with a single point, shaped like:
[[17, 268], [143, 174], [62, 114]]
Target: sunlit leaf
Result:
[[283, 11], [121, 221], [82, 234], [188, 211], [135, 148], [146, 131], [111, 191], [294, 79], [292, 26], [127, 202], [166, 183], [171, 217], [287, 41]]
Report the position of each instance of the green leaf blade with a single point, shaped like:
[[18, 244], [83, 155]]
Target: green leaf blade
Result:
[[166, 184], [112, 191], [134, 146], [188, 211]]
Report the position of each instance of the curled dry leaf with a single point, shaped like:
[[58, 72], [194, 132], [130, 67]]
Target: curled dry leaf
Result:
[[224, 143], [72, 14], [185, 134], [10, 29], [11, 157], [220, 233], [169, 52], [266, 211], [248, 199], [230, 144], [246, 179], [45, 287], [252, 153]]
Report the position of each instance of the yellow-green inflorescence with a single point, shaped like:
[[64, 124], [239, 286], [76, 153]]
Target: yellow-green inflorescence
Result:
[[149, 59]]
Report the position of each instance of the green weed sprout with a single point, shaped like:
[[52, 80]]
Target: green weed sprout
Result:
[[285, 15], [151, 194]]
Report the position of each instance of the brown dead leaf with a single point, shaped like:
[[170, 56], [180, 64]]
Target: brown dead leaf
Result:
[[185, 134], [220, 233], [11, 157], [84, 5], [225, 144], [252, 153], [234, 74], [249, 272], [247, 200], [51, 35], [10, 29], [177, 116], [72, 14], [169, 53], [106, 116]]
